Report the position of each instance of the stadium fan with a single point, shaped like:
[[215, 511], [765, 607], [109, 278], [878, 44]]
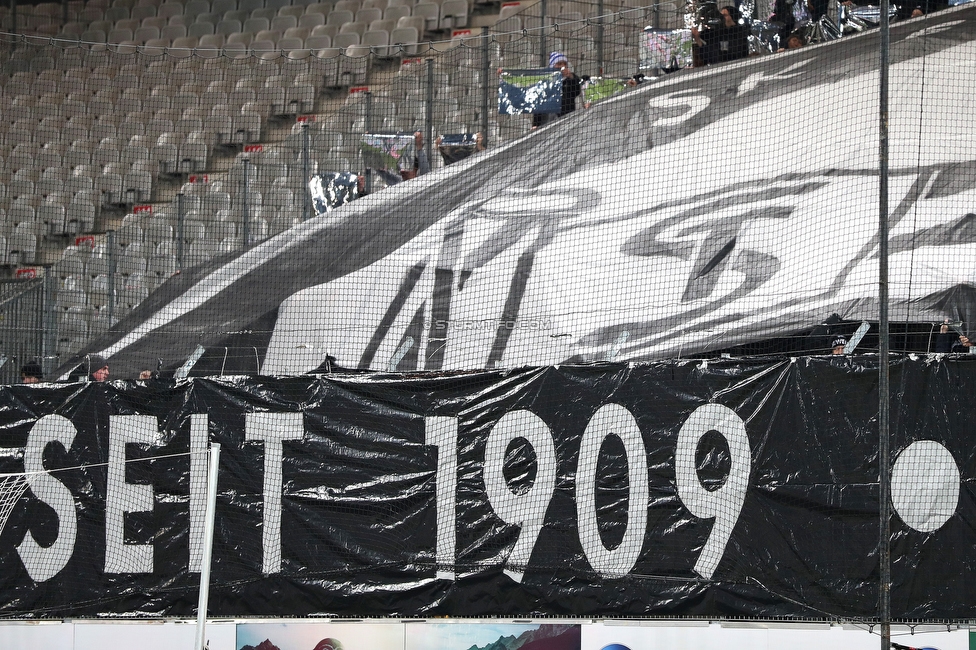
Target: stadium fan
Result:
[[31, 373], [572, 88], [421, 164], [726, 41], [93, 368]]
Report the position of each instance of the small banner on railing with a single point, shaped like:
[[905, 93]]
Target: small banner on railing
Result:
[[530, 91], [666, 49], [332, 189], [457, 146], [599, 88], [389, 154]]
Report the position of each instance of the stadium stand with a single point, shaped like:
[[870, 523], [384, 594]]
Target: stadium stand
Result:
[[121, 108]]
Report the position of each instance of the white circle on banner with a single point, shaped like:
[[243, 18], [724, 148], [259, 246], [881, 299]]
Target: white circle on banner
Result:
[[925, 486]]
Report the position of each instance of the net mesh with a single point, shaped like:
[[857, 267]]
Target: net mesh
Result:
[[155, 166], [12, 487]]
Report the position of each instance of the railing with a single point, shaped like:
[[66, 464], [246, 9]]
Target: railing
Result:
[[25, 326]]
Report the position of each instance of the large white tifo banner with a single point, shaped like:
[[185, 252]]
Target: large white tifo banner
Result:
[[422, 635], [711, 208]]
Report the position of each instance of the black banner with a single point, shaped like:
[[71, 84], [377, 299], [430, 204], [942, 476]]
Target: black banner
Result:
[[687, 488]]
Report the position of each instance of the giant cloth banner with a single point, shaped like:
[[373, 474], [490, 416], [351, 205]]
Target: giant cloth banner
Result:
[[687, 488]]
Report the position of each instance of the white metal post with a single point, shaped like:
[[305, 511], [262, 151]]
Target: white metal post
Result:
[[208, 534]]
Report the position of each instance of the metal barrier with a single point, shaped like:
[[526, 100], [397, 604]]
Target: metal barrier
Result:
[[26, 326]]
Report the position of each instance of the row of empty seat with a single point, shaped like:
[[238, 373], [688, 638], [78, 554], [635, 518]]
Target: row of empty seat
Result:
[[101, 112], [170, 27]]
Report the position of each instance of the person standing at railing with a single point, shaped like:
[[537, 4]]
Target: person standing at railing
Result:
[[572, 88], [93, 368], [784, 20], [727, 42], [421, 164], [97, 368], [31, 373]]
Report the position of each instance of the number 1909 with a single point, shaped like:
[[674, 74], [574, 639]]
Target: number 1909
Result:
[[527, 509]]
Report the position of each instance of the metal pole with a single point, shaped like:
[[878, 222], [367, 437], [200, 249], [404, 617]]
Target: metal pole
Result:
[[599, 37], [884, 397], [368, 126], [485, 63], [543, 51], [306, 174], [110, 236], [245, 215], [208, 535], [49, 338], [429, 117], [180, 227], [368, 116]]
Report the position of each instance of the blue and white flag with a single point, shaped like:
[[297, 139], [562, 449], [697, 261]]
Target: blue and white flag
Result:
[[530, 91]]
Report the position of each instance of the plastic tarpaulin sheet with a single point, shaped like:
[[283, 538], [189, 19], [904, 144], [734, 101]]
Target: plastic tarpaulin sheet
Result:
[[711, 489]]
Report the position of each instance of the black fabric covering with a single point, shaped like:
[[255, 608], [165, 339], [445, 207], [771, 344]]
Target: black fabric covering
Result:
[[359, 506]]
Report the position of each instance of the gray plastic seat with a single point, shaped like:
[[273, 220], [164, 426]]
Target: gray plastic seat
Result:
[[136, 186], [404, 39], [255, 25], [281, 23], [311, 20], [80, 216], [221, 6], [339, 17], [346, 40], [228, 27], [430, 12], [200, 29]]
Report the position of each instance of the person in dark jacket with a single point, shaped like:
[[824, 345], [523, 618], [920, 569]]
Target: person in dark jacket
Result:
[[31, 373], [572, 88], [784, 20], [93, 368], [950, 340], [727, 42]]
